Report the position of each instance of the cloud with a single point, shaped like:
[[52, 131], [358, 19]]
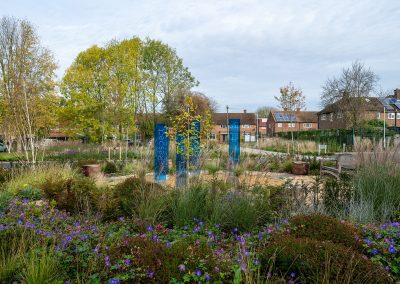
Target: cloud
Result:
[[240, 51]]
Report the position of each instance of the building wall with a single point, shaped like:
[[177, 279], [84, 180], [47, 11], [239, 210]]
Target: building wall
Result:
[[336, 122], [298, 126], [219, 132]]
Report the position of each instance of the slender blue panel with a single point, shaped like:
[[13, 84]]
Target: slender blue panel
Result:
[[181, 169], [195, 147], [234, 141], [161, 144]]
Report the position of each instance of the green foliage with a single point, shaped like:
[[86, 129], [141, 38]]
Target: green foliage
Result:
[[110, 167], [105, 88], [337, 195], [382, 245], [319, 262], [76, 195], [375, 123], [5, 198], [325, 228], [138, 198], [237, 209], [376, 189], [165, 264], [39, 266]]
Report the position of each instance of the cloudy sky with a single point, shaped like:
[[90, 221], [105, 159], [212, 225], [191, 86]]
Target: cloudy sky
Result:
[[241, 51]]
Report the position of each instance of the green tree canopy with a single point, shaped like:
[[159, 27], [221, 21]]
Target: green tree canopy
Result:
[[107, 88]]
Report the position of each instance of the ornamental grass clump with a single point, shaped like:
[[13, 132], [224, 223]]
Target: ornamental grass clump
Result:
[[140, 199], [313, 261]]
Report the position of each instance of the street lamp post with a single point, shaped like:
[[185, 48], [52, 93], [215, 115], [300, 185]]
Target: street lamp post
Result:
[[227, 123]]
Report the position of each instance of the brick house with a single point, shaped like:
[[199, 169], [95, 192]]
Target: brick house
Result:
[[332, 117], [285, 121], [262, 127], [219, 131]]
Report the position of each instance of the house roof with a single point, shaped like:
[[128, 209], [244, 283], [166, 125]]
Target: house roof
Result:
[[245, 118], [298, 116], [371, 104]]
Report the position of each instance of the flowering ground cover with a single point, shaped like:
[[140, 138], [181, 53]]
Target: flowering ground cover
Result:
[[125, 251]]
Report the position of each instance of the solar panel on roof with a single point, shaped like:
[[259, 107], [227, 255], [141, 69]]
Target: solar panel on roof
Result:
[[387, 103], [284, 117]]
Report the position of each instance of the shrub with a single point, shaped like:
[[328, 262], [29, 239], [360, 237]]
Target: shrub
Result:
[[76, 195], [30, 193], [319, 262], [287, 166], [242, 209], [38, 175], [5, 198], [141, 199], [337, 195], [110, 167], [5, 175], [325, 228]]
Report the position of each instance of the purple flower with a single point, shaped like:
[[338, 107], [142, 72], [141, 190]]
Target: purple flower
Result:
[[150, 274], [114, 281], [149, 228], [107, 261], [392, 249], [19, 221], [217, 226], [293, 274], [374, 251], [198, 273], [207, 277], [182, 267], [127, 262], [256, 262]]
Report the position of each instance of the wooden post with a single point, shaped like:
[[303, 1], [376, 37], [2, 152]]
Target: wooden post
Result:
[[120, 153], [109, 154]]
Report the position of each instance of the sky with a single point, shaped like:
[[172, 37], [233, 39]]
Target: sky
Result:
[[241, 51]]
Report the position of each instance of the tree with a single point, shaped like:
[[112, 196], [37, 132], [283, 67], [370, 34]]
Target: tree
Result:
[[183, 124], [349, 92], [106, 89], [26, 85], [291, 99], [264, 111]]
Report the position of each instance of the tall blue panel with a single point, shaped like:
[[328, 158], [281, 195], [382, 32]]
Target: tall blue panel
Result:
[[181, 168], [234, 141], [161, 144], [195, 147]]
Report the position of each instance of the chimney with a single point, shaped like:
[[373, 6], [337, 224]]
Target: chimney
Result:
[[397, 94], [245, 110]]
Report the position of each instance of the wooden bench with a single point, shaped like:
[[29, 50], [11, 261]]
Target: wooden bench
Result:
[[345, 162]]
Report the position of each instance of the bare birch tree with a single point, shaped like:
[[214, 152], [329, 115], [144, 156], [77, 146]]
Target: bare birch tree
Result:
[[26, 85]]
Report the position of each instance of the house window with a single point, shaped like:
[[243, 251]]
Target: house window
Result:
[[222, 126], [391, 115], [307, 125], [331, 117], [398, 115], [339, 115], [323, 117], [212, 136], [291, 125], [279, 124], [246, 126], [378, 115]]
